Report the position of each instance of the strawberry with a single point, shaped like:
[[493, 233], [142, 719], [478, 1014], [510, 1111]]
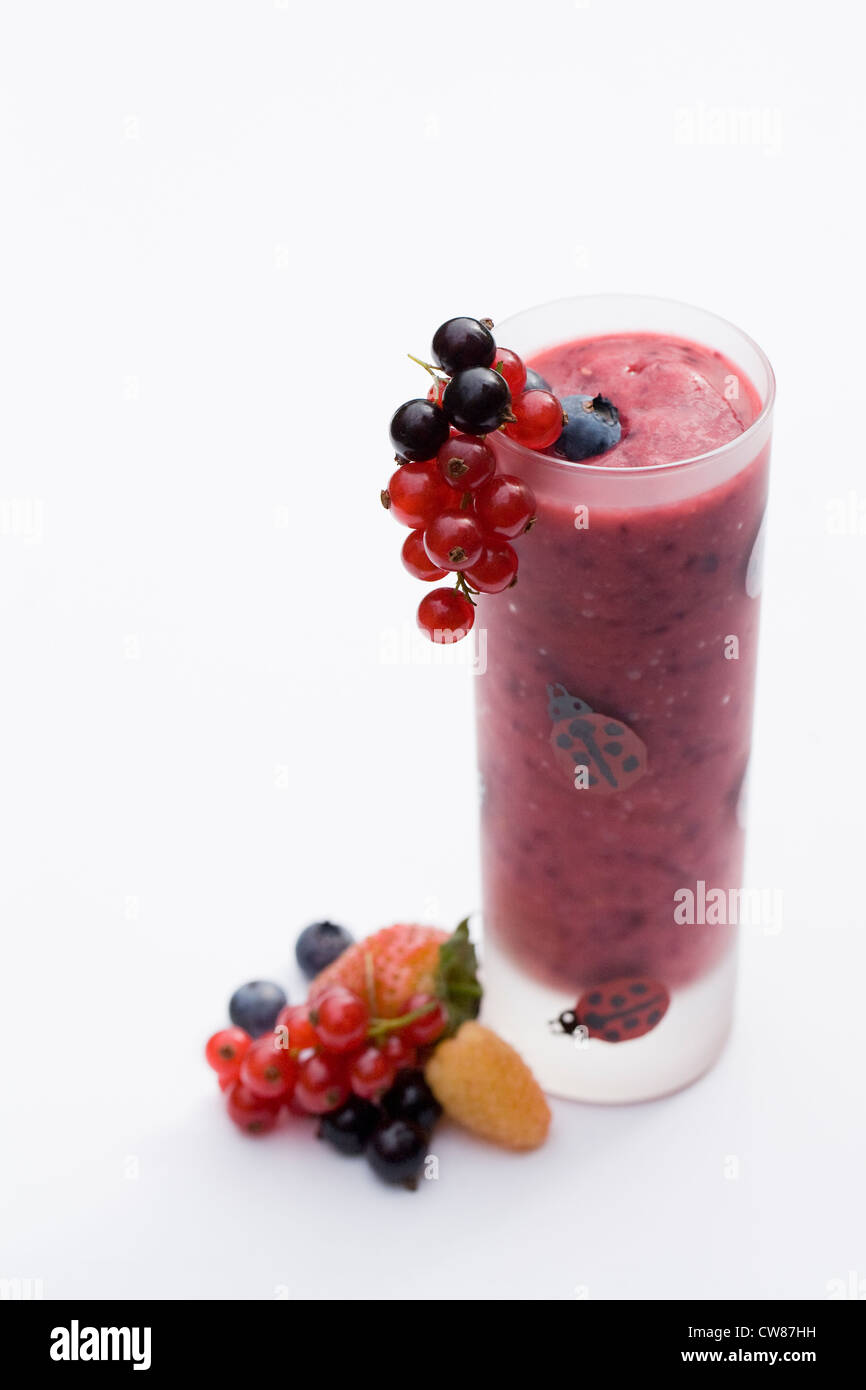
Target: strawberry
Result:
[[390, 966]]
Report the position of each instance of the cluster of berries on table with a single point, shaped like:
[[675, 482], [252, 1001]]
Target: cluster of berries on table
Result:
[[351, 1053], [462, 513]]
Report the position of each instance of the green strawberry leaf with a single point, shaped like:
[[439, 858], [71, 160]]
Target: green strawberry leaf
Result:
[[457, 978]]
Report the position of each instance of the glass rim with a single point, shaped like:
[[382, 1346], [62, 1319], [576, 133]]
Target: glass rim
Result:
[[599, 470]]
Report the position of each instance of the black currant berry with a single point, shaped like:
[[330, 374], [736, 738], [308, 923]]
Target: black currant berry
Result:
[[410, 1098], [418, 430], [397, 1151], [462, 343], [350, 1127], [477, 400]]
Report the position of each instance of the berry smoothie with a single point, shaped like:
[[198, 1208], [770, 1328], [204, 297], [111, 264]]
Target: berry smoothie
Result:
[[614, 716]]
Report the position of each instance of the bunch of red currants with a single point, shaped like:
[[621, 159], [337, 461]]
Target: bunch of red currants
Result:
[[463, 514], [318, 1054]]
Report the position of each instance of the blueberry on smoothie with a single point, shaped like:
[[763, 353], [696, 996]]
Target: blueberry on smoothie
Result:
[[536, 382], [593, 427]]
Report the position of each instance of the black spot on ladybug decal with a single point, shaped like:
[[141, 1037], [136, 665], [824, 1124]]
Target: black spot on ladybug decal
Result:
[[595, 752], [619, 1010]]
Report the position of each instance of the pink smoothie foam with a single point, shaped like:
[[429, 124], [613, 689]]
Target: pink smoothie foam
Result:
[[631, 618]]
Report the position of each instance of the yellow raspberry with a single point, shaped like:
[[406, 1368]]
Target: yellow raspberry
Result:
[[483, 1084]]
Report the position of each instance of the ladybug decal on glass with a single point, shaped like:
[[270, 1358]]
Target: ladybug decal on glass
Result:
[[597, 751], [617, 1010]]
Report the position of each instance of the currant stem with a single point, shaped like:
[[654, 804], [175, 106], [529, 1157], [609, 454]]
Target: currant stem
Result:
[[379, 1027], [437, 374], [462, 587]]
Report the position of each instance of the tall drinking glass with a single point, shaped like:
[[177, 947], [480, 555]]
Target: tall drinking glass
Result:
[[614, 721]]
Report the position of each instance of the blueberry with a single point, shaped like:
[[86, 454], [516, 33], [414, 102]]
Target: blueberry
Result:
[[593, 427], [254, 1007], [410, 1098], [320, 945], [350, 1127], [397, 1151], [536, 382]]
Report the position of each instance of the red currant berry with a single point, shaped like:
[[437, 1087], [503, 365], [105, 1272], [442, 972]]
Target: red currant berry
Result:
[[293, 1105], [454, 540], [371, 1073], [400, 1052], [268, 1070], [505, 505], [225, 1051], [250, 1112], [465, 462], [416, 493], [340, 1018], [539, 419], [445, 615], [321, 1084], [497, 568], [431, 1025], [509, 365], [417, 561], [295, 1018], [435, 392]]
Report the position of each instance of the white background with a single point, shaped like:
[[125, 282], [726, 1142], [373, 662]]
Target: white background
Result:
[[224, 226]]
